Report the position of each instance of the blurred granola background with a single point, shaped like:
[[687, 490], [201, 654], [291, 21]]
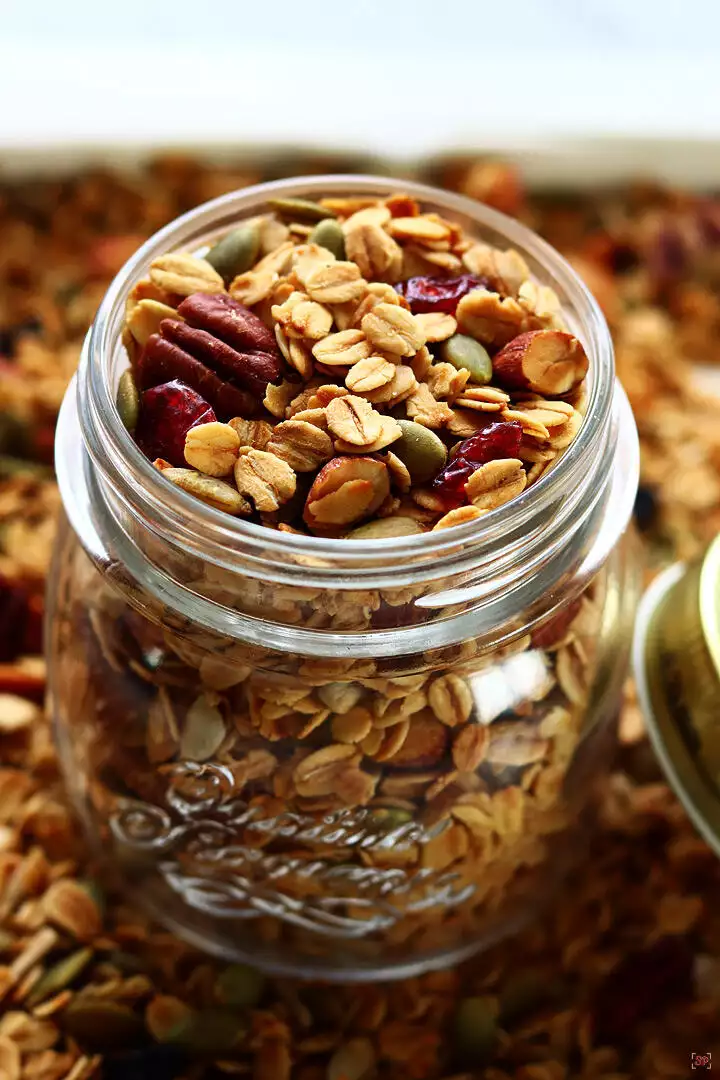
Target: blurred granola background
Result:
[[622, 978]]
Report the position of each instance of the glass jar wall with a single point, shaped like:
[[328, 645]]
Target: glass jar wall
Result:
[[351, 759]]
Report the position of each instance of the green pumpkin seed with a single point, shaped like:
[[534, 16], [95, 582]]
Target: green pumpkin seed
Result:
[[391, 817], [168, 1019], [385, 527], [235, 253], [354, 1060], [475, 1030], [301, 209], [214, 1031], [527, 991], [465, 352], [98, 1024], [420, 449], [240, 985], [328, 234], [60, 975], [128, 400]]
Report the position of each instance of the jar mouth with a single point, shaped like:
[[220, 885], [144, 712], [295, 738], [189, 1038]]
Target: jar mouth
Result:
[[134, 478]]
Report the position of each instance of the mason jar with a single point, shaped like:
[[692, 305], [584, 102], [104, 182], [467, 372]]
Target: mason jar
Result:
[[351, 759]]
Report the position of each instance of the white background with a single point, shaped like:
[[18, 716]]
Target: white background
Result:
[[395, 78]]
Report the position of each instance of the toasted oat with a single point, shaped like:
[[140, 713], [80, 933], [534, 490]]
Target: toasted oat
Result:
[[377, 255], [336, 283], [212, 448], [252, 287], [185, 274], [369, 374], [496, 483], [353, 420], [437, 326], [295, 352], [345, 348], [423, 408], [450, 699], [392, 329], [489, 317], [145, 317], [303, 445], [210, 490], [255, 433], [459, 516], [265, 478]]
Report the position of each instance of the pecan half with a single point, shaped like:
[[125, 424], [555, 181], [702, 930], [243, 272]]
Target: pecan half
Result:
[[222, 350]]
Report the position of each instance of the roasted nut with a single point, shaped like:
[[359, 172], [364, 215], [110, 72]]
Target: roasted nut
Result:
[[265, 478], [546, 361], [496, 483], [346, 490], [304, 446], [392, 329], [208, 489], [212, 448], [354, 420]]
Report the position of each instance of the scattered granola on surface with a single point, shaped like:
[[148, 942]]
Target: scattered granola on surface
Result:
[[619, 982], [306, 364]]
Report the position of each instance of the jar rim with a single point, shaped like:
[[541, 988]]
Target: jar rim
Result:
[[115, 453]]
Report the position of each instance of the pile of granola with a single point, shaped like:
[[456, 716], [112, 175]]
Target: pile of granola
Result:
[[621, 979], [350, 367]]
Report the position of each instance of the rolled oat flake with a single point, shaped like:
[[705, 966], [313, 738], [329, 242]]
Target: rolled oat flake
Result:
[[676, 657]]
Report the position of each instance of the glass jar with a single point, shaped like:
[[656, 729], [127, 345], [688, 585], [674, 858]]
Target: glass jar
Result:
[[347, 759]]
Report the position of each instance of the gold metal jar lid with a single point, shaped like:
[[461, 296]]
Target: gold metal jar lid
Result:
[[676, 657]]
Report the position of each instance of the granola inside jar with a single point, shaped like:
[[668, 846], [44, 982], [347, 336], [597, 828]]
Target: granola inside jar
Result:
[[340, 613]]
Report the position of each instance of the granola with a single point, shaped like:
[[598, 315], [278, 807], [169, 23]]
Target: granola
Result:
[[389, 344]]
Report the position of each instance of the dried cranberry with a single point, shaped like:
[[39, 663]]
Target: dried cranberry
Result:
[[641, 986], [425, 294], [167, 412], [498, 439]]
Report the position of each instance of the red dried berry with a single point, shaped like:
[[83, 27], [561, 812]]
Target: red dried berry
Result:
[[425, 294], [167, 413], [498, 439]]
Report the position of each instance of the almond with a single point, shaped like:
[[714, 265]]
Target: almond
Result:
[[545, 361]]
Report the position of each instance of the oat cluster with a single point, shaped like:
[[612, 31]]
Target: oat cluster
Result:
[[348, 351]]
